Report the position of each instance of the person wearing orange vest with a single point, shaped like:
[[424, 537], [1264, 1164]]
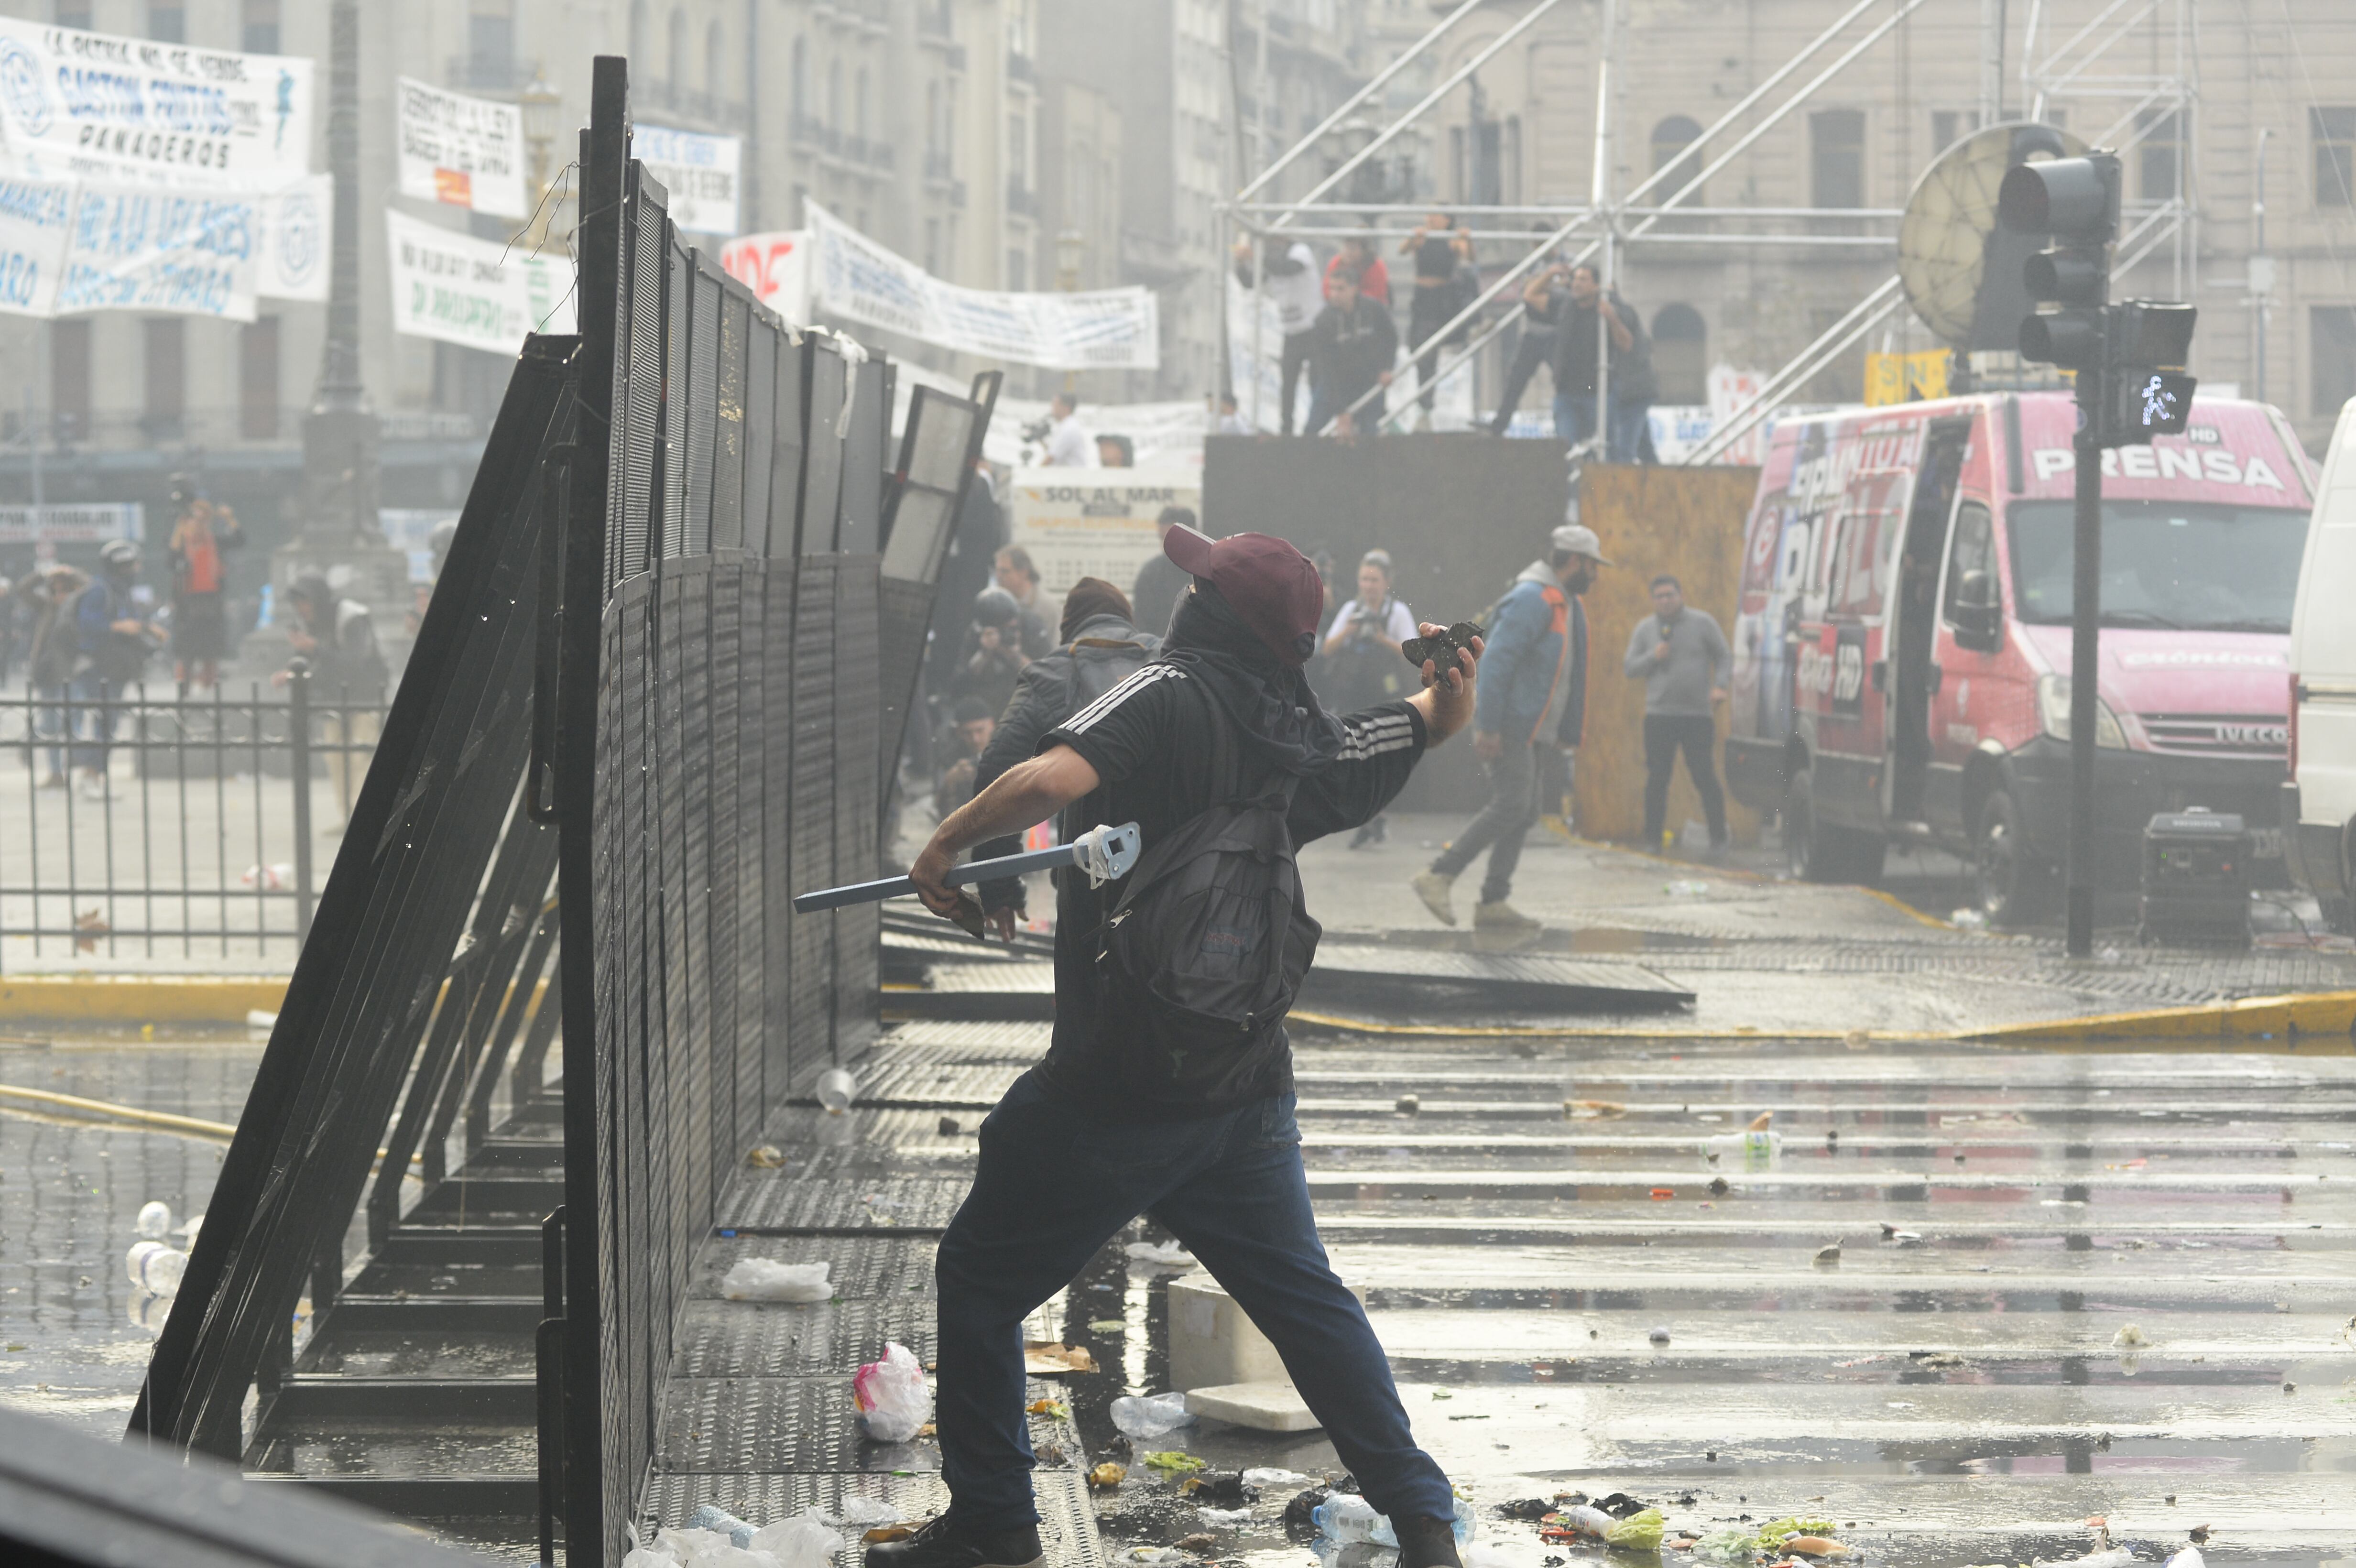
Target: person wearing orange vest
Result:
[[1537, 645], [199, 627]]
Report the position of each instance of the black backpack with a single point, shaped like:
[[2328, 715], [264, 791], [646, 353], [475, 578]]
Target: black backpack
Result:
[[1203, 951]]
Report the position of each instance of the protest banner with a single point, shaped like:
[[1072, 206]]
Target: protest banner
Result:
[[87, 524], [1094, 522], [854, 278], [776, 267], [701, 173], [476, 292], [97, 104], [460, 151]]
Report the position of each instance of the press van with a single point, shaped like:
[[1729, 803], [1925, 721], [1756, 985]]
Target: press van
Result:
[[2319, 806], [1903, 647]]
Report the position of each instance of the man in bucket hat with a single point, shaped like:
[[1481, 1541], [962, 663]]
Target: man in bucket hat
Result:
[[1070, 1156]]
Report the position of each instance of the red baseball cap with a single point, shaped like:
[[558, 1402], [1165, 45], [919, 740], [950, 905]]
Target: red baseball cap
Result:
[[1270, 584]]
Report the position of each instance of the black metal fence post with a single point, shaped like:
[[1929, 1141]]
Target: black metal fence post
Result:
[[298, 752]]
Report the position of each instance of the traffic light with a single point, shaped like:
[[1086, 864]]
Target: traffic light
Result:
[[2130, 356], [2075, 201]]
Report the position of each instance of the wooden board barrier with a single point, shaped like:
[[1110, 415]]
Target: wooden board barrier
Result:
[[1688, 522]]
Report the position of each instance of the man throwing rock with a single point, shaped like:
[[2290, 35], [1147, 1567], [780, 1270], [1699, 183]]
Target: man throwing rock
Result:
[[1114, 1123]]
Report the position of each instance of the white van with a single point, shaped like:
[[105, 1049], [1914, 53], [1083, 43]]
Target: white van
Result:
[[2318, 814]]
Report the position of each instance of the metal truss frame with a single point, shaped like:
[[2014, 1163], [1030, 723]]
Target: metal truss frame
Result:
[[1606, 223]]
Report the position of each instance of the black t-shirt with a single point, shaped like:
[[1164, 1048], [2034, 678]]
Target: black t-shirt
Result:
[[1575, 344], [1149, 741]]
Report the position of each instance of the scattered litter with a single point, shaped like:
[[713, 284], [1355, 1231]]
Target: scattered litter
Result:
[[1152, 1556], [883, 1532], [1759, 1123], [1664, 1192], [1659, 1336], [1729, 1545], [261, 1018], [1140, 1416], [1529, 1508], [1270, 1477], [767, 1156], [766, 1279], [1175, 1461], [862, 1511], [1829, 1255], [1107, 1325], [1686, 888], [836, 1090], [892, 1396], [1107, 1475], [2131, 1337], [274, 878], [154, 1219], [1199, 1542], [1347, 1518], [1759, 1147], [1969, 920], [1940, 1359], [1046, 1359], [1583, 1109], [948, 1128], [155, 1267], [2113, 1557], [2187, 1558], [1857, 1040], [1485, 1554], [1055, 1409], [1860, 1360], [1408, 1105], [1223, 1519], [2199, 1534], [1166, 1254], [1217, 1487], [1815, 1546], [1718, 1184]]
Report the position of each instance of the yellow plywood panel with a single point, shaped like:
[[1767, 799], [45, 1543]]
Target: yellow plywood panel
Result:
[[1687, 522]]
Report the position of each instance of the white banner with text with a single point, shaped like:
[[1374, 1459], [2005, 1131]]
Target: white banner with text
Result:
[[460, 151], [476, 292]]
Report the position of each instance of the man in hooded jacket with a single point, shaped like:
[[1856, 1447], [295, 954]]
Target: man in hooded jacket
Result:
[[1537, 651], [1068, 1157]]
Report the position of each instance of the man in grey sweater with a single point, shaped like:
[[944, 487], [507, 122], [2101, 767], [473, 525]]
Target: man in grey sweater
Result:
[[1681, 656]]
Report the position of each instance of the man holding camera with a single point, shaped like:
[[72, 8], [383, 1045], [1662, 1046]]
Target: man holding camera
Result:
[[1537, 649], [1115, 1123]]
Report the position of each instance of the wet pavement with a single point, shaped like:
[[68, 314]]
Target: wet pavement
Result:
[[2114, 1282], [75, 1333]]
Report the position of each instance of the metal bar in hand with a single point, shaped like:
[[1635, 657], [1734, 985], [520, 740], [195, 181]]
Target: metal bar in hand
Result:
[[1120, 847]]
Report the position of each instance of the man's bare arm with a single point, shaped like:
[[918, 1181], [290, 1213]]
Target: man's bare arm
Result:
[[1026, 793]]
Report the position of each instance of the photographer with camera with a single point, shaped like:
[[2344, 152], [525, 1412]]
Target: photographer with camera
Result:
[[1537, 651], [1168, 1087], [1361, 663]]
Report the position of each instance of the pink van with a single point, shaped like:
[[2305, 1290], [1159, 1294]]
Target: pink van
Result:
[[1902, 655]]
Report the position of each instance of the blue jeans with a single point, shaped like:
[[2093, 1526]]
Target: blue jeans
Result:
[[97, 711], [49, 721], [1054, 1184], [1574, 421], [1324, 409]]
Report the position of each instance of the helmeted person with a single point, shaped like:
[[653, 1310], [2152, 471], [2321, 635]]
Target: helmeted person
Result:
[[1100, 647]]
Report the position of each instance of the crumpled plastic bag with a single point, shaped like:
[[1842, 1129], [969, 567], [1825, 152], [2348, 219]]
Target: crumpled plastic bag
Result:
[[1169, 1254], [1140, 1416], [1734, 1545], [1637, 1533], [1270, 1478], [1221, 1518], [805, 1540], [766, 1279], [893, 1398], [861, 1510]]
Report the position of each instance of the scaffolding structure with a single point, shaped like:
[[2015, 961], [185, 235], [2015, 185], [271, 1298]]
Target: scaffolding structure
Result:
[[2153, 109]]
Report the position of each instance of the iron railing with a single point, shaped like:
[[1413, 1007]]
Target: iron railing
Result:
[[139, 823]]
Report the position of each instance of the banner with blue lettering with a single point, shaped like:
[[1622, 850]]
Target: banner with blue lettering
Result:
[[103, 106]]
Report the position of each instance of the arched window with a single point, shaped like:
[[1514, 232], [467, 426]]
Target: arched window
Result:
[[1672, 142], [716, 60], [639, 58], [678, 76], [1681, 353]]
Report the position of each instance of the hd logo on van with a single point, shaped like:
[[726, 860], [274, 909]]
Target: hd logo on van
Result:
[[1837, 672]]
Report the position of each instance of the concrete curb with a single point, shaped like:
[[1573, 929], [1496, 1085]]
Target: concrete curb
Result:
[[136, 999], [2252, 1017]]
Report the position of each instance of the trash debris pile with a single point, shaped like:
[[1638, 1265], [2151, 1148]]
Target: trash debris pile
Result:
[[1141, 1416], [893, 1399], [717, 1538], [766, 1279]]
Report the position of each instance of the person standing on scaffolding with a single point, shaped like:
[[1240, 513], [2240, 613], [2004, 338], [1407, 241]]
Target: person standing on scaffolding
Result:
[[1120, 1119], [1445, 283]]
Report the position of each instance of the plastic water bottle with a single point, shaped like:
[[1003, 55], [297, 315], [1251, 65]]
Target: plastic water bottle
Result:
[[154, 1219], [155, 1267], [836, 1089], [1348, 1519]]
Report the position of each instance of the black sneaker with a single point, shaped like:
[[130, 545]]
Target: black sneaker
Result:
[[1426, 1544], [940, 1544]]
